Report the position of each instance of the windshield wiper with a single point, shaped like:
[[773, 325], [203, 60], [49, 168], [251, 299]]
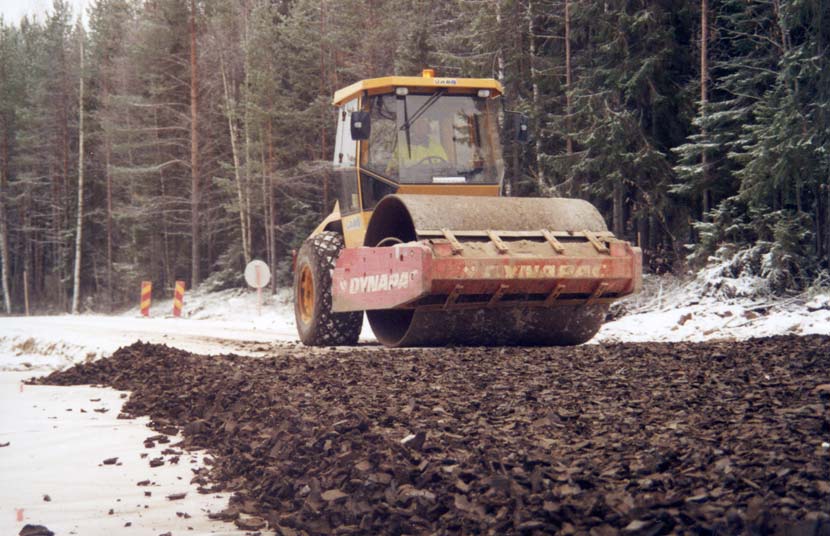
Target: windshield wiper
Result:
[[420, 111]]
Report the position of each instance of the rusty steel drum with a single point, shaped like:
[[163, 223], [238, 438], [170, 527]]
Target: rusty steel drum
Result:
[[403, 219]]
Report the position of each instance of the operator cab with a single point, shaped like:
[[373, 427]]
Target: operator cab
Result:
[[399, 134], [433, 138]]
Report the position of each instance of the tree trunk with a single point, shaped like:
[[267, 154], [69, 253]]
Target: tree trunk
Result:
[[26, 292], [818, 208], [165, 228], [28, 243], [704, 97], [266, 207], [323, 118], [569, 142], [195, 276], [515, 92], [541, 184], [272, 209], [568, 75], [231, 116], [108, 175], [827, 221], [76, 278], [246, 104], [58, 276], [642, 222], [62, 221], [618, 217], [4, 229]]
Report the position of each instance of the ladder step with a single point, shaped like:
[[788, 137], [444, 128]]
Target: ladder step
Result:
[[453, 296], [497, 296], [598, 292], [554, 294]]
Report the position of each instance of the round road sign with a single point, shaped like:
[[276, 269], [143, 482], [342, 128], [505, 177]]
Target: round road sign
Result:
[[257, 274]]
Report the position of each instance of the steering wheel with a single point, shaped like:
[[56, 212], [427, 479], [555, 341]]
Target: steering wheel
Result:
[[433, 159]]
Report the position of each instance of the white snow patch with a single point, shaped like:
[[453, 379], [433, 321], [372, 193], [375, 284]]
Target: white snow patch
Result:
[[712, 306], [56, 449], [218, 322]]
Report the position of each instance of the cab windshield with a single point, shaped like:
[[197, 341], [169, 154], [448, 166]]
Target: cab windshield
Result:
[[434, 138]]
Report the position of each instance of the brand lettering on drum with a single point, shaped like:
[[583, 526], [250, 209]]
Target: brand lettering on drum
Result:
[[381, 282]]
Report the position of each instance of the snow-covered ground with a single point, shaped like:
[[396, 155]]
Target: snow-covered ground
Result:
[[711, 307], [706, 307], [53, 472], [57, 441], [55, 448]]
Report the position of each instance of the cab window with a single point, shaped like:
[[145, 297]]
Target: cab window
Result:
[[345, 153]]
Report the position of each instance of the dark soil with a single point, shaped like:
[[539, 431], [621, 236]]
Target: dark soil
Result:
[[722, 437]]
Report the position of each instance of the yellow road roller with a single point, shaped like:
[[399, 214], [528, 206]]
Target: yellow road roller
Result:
[[421, 239]]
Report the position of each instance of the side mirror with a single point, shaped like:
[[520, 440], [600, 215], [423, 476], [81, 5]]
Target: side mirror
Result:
[[361, 125]]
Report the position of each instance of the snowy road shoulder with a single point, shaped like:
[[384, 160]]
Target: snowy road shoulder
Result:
[[53, 467], [672, 310], [714, 321], [54, 342], [213, 323]]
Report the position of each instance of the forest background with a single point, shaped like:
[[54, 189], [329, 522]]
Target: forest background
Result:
[[179, 139]]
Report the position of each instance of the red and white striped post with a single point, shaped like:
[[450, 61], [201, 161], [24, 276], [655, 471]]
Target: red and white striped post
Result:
[[178, 298], [146, 297]]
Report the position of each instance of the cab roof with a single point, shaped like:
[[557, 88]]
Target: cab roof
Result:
[[428, 79]]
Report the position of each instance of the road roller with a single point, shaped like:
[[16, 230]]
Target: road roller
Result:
[[422, 240]]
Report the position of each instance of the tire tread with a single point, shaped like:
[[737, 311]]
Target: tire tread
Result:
[[328, 328]]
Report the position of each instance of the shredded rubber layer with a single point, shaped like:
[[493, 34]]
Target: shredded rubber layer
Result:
[[724, 437]]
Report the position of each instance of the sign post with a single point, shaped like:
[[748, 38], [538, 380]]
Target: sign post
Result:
[[257, 275]]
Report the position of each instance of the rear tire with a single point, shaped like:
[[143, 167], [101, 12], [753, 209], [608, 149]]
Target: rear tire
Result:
[[317, 325]]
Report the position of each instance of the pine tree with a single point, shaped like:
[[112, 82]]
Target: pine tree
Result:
[[625, 110], [109, 23]]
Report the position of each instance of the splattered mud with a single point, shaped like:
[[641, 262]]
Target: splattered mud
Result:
[[732, 437]]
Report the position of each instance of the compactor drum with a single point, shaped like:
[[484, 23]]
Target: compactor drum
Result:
[[421, 240]]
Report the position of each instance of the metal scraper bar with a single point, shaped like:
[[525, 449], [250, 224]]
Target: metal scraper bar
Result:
[[500, 245], [555, 244], [454, 243], [592, 238]]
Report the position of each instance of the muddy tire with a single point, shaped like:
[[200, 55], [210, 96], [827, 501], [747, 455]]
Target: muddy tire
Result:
[[317, 325]]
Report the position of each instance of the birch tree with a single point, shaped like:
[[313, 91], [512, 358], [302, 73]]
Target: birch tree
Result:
[[79, 226]]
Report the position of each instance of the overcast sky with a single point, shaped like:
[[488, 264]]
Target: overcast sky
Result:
[[13, 10]]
